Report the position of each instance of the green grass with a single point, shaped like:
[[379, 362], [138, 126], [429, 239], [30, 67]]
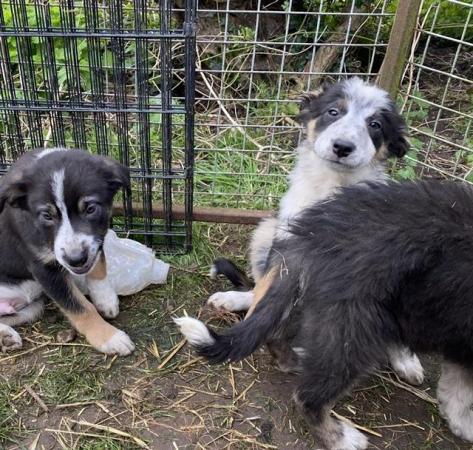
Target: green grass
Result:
[[105, 444], [7, 413]]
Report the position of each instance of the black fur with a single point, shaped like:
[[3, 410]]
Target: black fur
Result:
[[227, 268], [379, 265], [245, 337], [25, 237]]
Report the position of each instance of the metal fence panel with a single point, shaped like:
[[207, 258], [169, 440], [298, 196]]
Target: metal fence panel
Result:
[[254, 58], [437, 93], [113, 77]]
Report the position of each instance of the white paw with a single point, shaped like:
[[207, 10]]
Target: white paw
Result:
[[458, 415], [104, 298], [9, 339], [231, 300], [108, 307], [352, 439], [119, 344], [459, 421], [409, 368]]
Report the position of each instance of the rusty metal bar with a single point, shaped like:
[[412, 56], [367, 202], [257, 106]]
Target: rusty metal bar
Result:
[[219, 215]]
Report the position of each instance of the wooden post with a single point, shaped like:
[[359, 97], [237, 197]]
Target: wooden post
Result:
[[400, 39]]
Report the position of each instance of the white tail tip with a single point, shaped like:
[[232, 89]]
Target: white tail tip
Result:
[[213, 273], [194, 330]]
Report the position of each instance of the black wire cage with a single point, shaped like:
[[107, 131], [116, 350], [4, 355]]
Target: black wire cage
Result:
[[114, 77]]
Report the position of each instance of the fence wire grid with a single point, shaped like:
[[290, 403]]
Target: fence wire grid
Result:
[[255, 58], [116, 78], [437, 93]]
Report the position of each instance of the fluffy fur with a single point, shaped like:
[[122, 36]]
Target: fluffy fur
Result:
[[380, 265], [55, 208], [351, 129], [361, 116]]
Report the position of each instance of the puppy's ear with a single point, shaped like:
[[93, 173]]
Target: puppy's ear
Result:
[[395, 133], [117, 175], [399, 148], [13, 190], [307, 106]]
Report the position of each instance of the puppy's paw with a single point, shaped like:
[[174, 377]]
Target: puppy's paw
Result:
[[104, 298], [351, 439], [109, 306], [463, 428], [459, 418], [118, 344], [408, 367], [231, 300], [9, 339]]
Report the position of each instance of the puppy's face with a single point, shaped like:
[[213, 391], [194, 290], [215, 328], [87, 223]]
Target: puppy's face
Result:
[[350, 124], [67, 196]]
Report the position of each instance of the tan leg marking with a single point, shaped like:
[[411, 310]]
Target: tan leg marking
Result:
[[99, 271], [261, 288], [100, 334], [90, 323]]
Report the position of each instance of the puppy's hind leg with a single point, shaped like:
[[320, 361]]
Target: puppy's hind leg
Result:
[[455, 396], [317, 393], [231, 300], [406, 364], [336, 352], [260, 246]]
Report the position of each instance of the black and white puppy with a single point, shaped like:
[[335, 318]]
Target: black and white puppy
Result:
[[380, 265], [351, 129], [55, 209]]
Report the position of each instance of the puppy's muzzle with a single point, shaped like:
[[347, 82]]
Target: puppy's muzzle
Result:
[[343, 148], [79, 260], [76, 258]]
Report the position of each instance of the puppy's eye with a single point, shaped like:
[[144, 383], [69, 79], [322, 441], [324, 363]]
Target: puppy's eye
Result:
[[333, 112], [45, 215], [91, 209], [375, 125]]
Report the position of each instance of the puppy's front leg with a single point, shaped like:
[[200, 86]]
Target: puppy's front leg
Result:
[[101, 291], [80, 312]]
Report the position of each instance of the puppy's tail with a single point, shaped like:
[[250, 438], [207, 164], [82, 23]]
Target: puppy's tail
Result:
[[223, 266], [244, 338]]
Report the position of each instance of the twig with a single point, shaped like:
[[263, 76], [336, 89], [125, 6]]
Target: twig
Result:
[[73, 405], [112, 430], [16, 355], [37, 398], [224, 110], [417, 392], [172, 353], [360, 427]]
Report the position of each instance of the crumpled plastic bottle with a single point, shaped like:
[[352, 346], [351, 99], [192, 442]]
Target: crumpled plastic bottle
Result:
[[131, 266]]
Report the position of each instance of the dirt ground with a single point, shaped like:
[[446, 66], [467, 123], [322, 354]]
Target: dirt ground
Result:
[[66, 396]]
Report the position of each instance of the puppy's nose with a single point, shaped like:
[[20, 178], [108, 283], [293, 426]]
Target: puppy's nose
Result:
[[343, 148], [76, 258]]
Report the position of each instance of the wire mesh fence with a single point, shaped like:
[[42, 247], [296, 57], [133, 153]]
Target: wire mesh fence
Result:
[[254, 58], [437, 93], [116, 78]]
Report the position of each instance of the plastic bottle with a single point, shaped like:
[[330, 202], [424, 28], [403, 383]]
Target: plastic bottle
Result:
[[131, 266]]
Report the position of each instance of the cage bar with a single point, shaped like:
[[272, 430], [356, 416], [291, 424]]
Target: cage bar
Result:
[[116, 78]]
